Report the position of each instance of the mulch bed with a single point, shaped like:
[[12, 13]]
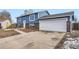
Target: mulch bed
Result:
[[28, 30]]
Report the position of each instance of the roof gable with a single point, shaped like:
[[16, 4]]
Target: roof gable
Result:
[[57, 15]]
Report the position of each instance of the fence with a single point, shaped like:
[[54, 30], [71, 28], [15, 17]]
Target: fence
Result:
[[75, 26]]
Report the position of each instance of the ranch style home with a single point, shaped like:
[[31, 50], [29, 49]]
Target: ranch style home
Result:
[[43, 21], [30, 20]]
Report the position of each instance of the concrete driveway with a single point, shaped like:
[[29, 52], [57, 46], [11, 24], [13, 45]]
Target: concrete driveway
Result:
[[32, 40]]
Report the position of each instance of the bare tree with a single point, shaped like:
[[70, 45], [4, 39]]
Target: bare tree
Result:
[[5, 14], [28, 11]]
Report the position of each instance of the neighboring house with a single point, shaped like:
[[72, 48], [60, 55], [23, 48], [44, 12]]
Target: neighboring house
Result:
[[5, 19], [57, 22], [30, 20], [4, 24]]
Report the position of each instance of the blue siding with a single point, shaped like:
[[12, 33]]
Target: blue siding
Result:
[[26, 18], [21, 19], [36, 18], [19, 22]]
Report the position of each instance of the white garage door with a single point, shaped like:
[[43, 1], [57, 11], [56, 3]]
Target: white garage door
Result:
[[53, 25]]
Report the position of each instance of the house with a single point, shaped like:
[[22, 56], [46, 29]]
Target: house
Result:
[[5, 19], [4, 24], [30, 20], [57, 22]]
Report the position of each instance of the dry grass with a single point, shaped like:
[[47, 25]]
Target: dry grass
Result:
[[12, 26], [7, 33]]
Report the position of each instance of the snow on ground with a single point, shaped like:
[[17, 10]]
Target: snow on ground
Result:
[[71, 43]]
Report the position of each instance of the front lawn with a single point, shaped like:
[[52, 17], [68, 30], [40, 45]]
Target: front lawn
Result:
[[7, 33]]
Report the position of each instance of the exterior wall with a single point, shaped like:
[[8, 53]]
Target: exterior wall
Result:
[[36, 18], [5, 24], [37, 26], [21, 20], [70, 21], [25, 21], [31, 17]]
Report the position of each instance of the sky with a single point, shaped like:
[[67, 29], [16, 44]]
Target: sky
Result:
[[17, 12]]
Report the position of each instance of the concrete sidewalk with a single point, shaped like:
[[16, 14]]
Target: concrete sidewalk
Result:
[[16, 30], [19, 31]]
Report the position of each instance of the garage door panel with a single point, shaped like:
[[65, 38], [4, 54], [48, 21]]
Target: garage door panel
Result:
[[53, 25]]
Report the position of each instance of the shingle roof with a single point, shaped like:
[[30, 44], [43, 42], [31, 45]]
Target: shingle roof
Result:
[[57, 15]]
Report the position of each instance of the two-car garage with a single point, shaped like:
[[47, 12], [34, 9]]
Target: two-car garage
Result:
[[58, 22], [53, 25]]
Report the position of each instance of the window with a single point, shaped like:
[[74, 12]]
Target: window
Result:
[[32, 17]]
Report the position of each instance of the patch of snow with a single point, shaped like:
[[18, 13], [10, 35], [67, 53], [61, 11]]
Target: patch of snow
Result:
[[71, 43]]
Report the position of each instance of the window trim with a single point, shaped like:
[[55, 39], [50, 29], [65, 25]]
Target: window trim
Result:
[[30, 17]]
